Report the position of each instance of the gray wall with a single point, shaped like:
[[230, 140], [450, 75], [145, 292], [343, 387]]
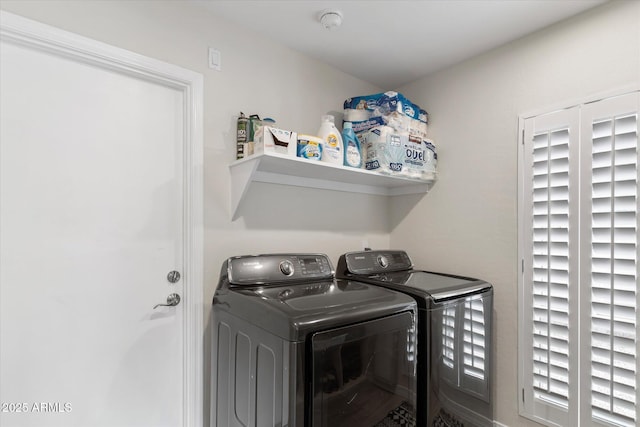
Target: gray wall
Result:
[[468, 223]]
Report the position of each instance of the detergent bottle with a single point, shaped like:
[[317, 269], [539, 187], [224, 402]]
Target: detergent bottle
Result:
[[332, 147], [352, 151]]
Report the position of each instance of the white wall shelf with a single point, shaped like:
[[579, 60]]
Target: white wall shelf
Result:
[[282, 169]]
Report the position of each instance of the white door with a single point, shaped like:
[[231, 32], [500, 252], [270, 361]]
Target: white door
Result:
[[93, 218]]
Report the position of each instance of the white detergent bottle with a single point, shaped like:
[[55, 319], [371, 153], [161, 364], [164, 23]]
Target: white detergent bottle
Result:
[[332, 147]]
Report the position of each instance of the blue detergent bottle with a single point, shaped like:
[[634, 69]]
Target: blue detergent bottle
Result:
[[352, 152]]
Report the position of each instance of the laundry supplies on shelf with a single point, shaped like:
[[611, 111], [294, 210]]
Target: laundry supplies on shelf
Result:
[[393, 134], [381, 148], [352, 153], [274, 140], [309, 147], [332, 145], [388, 163]]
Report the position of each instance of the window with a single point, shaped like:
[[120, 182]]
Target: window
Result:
[[578, 242]]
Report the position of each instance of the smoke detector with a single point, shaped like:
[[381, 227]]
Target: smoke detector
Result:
[[330, 19]]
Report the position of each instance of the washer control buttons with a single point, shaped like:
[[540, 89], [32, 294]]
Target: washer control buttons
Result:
[[383, 261], [286, 267]]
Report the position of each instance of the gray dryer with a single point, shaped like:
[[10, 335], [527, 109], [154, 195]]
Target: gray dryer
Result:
[[454, 335]]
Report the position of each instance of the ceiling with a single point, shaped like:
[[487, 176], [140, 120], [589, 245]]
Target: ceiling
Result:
[[390, 43]]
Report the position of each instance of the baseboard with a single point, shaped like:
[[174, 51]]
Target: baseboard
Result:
[[497, 424]]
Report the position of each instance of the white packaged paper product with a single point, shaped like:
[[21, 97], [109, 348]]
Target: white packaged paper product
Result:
[[354, 115], [415, 152], [389, 108], [423, 118], [382, 104], [384, 150], [373, 122], [431, 160], [392, 153], [394, 136], [274, 140]]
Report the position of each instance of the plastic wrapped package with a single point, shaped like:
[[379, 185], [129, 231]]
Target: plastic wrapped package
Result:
[[430, 160], [390, 153], [389, 108], [382, 104], [383, 149], [393, 133], [415, 151]]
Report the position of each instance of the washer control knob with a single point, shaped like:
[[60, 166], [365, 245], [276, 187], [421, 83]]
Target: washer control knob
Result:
[[383, 261], [286, 267]]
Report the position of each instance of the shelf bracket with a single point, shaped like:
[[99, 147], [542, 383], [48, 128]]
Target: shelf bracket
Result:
[[241, 176]]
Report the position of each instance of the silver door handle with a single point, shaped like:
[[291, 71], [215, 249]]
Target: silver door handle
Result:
[[172, 299]]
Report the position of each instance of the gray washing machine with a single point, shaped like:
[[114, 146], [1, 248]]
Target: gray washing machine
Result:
[[292, 346], [454, 335]]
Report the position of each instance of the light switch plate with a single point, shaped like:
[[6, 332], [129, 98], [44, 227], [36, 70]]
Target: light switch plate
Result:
[[215, 59]]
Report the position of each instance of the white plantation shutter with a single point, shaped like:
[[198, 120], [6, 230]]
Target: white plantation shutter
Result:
[[550, 278], [610, 229], [548, 240], [578, 240]]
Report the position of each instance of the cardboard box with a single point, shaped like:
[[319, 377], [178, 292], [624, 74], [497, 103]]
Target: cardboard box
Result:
[[273, 140]]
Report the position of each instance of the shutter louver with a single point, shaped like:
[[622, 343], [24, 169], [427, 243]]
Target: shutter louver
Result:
[[614, 240], [550, 281]]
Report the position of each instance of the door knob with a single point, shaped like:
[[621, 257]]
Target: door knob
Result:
[[172, 299]]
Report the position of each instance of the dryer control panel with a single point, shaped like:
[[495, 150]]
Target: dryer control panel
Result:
[[278, 268], [373, 262]]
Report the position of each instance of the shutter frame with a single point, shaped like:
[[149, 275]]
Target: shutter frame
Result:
[[604, 311]]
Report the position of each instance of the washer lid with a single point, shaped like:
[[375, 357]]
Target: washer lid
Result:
[[436, 286], [393, 269], [322, 297]]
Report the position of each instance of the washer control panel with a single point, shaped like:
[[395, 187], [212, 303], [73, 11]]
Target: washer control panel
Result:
[[374, 262], [278, 268]]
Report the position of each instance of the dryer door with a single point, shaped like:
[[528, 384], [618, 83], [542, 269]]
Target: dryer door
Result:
[[363, 373]]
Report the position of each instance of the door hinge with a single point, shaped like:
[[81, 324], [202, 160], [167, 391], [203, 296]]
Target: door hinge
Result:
[[522, 395], [522, 266], [522, 136]]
